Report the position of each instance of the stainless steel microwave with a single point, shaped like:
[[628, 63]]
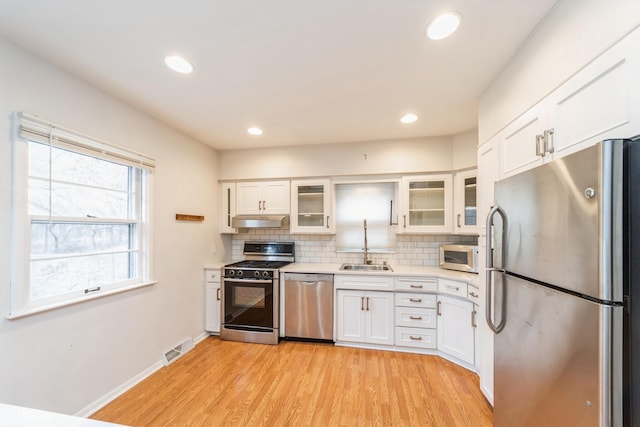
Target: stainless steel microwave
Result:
[[459, 257]]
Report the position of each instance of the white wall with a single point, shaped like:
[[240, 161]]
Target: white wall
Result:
[[573, 34], [408, 156], [465, 150], [67, 359]]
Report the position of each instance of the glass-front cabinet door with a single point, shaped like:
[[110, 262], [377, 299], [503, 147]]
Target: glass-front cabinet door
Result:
[[466, 206], [311, 207], [426, 204]]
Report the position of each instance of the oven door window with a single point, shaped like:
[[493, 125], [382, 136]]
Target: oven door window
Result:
[[249, 303]]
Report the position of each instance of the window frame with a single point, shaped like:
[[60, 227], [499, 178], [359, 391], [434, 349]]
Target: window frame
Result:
[[21, 303]]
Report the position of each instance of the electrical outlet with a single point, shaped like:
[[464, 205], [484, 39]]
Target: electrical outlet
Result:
[[214, 248]]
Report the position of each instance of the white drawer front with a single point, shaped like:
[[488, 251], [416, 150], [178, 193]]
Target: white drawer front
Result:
[[414, 337], [416, 317], [416, 284], [212, 275], [415, 300], [473, 294], [451, 287], [369, 283]]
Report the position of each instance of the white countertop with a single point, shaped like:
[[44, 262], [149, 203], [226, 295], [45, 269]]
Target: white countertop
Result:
[[18, 416], [398, 270]]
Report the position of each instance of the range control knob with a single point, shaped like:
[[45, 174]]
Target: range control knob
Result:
[[265, 274], [256, 273], [231, 273], [239, 273]]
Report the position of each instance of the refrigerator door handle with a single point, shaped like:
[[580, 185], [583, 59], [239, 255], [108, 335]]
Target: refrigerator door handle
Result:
[[490, 268]]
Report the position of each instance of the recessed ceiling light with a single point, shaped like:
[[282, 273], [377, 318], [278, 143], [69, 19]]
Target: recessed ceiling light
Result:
[[255, 131], [409, 118], [443, 26], [178, 64]]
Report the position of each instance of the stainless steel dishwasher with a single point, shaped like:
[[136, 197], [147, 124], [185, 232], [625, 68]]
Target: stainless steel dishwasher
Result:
[[308, 301]]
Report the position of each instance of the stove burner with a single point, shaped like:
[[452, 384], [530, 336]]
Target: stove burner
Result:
[[258, 264]]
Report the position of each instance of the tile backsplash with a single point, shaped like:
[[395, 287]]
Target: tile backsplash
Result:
[[420, 250]]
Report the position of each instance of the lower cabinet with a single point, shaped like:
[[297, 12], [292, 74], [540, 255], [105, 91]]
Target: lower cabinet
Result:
[[212, 300], [365, 317], [415, 320], [456, 328]]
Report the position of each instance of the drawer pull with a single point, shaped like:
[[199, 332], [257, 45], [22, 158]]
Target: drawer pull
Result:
[[473, 294], [438, 312], [415, 299], [415, 317], [415, 338], [455, 288], [218, 294], [416, 286]]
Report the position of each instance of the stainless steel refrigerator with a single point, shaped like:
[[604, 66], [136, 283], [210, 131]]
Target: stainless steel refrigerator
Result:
[[560, 275]]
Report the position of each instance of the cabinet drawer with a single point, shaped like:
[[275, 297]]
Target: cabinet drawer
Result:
[[416, 317], [473, 294], [451, 287], [415, 300], [416, 284], [211, 275], [368, 283], [415, 337]]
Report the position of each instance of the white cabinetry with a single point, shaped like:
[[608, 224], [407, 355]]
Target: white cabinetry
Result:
[[426, 204], [312, 207], [456, 321], [227, 206], [465, 204], [601, 101], [415, 320], [365, 316], [262, 198], [212, 300]]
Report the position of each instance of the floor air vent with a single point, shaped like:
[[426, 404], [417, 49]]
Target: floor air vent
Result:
[[174, 354]]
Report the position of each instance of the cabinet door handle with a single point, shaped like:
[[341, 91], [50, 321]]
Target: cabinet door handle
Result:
[[415, 338], [264, 205], [455, 288], [218, 294], [473, 294], [438, 312], [415, 299], [415, 317], [459, 221], [259, 205], [540, 146], [361, 303], [416, 286], [327, 221], [548, 141], [367, 303], [404, 221], [473, 319]]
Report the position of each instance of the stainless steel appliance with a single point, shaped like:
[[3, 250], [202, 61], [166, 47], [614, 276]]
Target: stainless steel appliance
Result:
[[308, 305], [460, 257], [250, 293], [559, 282]]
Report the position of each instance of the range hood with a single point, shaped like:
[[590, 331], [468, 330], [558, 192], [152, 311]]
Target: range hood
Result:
[[260, 221]]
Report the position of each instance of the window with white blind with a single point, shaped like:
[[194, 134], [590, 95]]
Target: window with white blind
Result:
[[372, 201], [80, 215]]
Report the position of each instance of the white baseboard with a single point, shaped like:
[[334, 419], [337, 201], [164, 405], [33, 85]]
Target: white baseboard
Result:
[[107, 398]]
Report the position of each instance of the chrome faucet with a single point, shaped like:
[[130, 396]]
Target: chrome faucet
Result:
[[366, 248]]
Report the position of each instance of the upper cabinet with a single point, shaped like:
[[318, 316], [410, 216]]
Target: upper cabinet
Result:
[[262, 198], [465, 210], [228, 206], [601, 101], [425, 204], [312, 207]]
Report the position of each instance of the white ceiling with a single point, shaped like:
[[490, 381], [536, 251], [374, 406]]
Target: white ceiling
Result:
[[305, 71]]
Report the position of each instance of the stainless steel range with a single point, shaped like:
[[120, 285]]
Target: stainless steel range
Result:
[[251, 293]]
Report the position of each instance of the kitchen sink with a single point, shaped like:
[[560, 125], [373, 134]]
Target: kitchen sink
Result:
[[366, 267]]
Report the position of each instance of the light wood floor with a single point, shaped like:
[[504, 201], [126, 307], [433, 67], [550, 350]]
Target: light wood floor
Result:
[[223, 383]]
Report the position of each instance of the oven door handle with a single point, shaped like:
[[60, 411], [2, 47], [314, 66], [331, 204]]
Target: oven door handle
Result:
[[258, 281]]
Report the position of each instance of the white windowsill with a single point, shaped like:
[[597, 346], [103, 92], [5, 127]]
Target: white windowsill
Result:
[[40, 309]]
